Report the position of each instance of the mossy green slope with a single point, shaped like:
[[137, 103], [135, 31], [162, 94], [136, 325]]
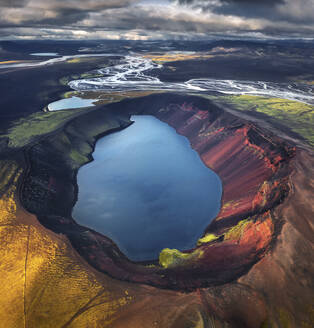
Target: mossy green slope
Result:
[[296, 116]]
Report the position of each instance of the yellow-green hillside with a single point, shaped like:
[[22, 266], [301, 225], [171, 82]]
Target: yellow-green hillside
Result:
[[297, 116]]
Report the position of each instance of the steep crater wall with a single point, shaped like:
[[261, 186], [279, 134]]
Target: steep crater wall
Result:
[[253, 166]]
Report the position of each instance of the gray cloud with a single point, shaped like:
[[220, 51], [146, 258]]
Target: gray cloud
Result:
[[247, 2], [282, 10], [53, 12], [13, 3], [163, 19]]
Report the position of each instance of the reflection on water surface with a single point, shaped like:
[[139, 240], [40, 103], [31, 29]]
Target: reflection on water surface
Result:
[[147, 190]]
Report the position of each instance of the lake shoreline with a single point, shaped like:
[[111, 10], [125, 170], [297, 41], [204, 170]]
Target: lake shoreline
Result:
[[154, 183], [107, 257]]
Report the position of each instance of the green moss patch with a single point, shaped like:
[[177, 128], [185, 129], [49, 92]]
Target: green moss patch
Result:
[[26, 129], [172, 257], [235, 232], [296, 116], [207, 239]]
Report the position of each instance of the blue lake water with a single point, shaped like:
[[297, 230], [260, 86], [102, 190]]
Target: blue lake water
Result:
[[68, 103], [147, 189], [45, 54]]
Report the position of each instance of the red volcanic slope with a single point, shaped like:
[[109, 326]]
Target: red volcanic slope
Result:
[[254, 170], [258, 273], [248, 168]]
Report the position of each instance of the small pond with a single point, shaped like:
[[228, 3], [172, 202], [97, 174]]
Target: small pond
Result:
[[45, 54], [69, 103], [147, 189]]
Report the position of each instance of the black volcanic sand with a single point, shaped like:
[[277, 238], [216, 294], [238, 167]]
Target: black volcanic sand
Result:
[[28, 90], [20, 49], [239, 66]]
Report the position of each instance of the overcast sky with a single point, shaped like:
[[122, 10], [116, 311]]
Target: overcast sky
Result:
[[152, 19]]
